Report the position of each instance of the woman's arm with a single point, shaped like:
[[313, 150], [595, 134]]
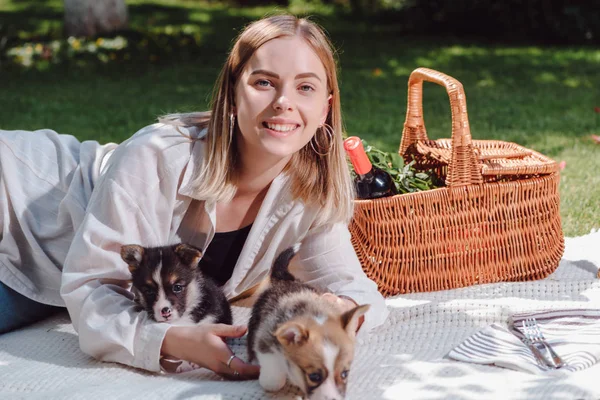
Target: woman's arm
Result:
[[95, 282], [326, 259], [132, 202]]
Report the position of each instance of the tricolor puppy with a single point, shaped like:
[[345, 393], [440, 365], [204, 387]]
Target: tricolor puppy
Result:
[[295, 334], [168, 284]]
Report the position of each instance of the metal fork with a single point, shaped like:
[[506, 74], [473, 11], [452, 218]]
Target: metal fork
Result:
[[535, 335], [537, 354]]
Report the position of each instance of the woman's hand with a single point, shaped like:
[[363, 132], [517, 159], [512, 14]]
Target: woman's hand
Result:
[[344, 304], [205, 346]]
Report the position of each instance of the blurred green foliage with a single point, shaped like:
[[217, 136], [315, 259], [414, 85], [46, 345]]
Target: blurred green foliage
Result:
[[550, 21]]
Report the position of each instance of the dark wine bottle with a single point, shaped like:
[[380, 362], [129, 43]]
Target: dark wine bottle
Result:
[[370, 182]]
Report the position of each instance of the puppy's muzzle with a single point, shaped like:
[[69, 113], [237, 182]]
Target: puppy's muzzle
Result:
[[166, 312]]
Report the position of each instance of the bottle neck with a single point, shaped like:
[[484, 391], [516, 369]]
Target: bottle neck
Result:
[[367, 176], [360, 161]]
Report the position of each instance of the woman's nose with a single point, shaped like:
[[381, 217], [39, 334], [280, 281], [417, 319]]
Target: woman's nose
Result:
[[282, 104]]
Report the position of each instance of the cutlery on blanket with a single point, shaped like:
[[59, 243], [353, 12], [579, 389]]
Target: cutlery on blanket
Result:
[[534, 334], [541, 360]]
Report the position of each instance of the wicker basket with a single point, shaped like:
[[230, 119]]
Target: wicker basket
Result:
[[497, 219]]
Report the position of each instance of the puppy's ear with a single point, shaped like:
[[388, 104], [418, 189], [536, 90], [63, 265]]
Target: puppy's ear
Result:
[[349, 319], [132, 254], [292, 333], [189, 255]]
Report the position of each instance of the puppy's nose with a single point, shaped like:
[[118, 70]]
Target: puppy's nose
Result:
[[165, 311]]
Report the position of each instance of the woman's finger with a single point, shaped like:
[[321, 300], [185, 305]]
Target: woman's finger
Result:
[[230, 331], [238, 370], [228, 363], [333, 299], [232, 376], [246, 371], [343, 303]]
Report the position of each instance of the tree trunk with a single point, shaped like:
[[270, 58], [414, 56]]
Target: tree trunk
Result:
[[93, 17]]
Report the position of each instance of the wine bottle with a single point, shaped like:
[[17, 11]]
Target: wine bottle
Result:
[[370, 182]]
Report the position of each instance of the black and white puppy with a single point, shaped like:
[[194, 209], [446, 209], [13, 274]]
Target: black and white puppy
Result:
[[168, 284]]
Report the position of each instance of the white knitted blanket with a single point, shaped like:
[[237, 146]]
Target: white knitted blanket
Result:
[[404, 359]]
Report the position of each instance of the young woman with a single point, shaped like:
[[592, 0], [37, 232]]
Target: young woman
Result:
[[263, 170]]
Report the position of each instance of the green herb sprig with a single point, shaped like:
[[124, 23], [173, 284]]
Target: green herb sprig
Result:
[[406, 177]]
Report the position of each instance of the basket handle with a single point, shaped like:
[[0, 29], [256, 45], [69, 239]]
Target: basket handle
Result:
[[464, 168]]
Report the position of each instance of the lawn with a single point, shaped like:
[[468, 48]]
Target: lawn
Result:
[[541, 97]]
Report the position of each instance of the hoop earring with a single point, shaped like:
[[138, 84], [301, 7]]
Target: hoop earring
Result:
[[231, 126], [329, 132]]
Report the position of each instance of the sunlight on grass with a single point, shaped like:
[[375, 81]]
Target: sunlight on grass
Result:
[[311, 7], [580, 188], [540, 97], [486, 82], [519, 51], [546, 77], [200, 16], [426, 62], [573, 82], [19, 5], [465, 51]]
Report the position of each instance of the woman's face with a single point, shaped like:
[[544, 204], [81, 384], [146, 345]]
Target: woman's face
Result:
[[281, 98]]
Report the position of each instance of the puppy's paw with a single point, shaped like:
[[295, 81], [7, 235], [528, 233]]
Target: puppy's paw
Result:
[[273, 371], [271, 382]]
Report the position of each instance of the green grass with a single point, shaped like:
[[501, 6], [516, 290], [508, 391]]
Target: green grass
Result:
[[540, 97]]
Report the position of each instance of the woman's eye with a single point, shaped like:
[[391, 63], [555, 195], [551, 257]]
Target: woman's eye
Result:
[[263, 83], [344, 374], [307, 88], [177, 288], [315, 377]]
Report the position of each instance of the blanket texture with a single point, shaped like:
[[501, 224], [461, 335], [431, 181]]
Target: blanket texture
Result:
[[406, 358]]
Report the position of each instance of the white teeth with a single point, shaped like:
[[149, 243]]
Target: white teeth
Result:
[[281, 127]]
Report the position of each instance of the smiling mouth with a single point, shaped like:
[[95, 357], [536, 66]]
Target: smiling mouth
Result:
[[281, 128]]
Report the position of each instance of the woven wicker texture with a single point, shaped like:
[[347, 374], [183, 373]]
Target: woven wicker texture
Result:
[[497, 219], [403, 359]]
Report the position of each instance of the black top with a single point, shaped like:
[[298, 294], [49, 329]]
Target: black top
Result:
[[222, 254]]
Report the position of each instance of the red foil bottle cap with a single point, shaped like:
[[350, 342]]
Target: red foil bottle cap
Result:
[[355, 150]]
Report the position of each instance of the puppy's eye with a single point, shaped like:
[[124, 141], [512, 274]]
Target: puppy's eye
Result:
[[177, 288], [149, 291], [315, 377], [344, 374]]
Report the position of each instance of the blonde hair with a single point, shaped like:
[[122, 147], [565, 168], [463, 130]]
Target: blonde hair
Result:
[[321, 181]]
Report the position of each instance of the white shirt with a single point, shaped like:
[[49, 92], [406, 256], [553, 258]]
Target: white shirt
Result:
[[142, 195]]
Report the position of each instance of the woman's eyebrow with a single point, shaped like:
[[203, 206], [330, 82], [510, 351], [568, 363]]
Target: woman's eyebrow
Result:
[[274, 75], [308, 75]]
